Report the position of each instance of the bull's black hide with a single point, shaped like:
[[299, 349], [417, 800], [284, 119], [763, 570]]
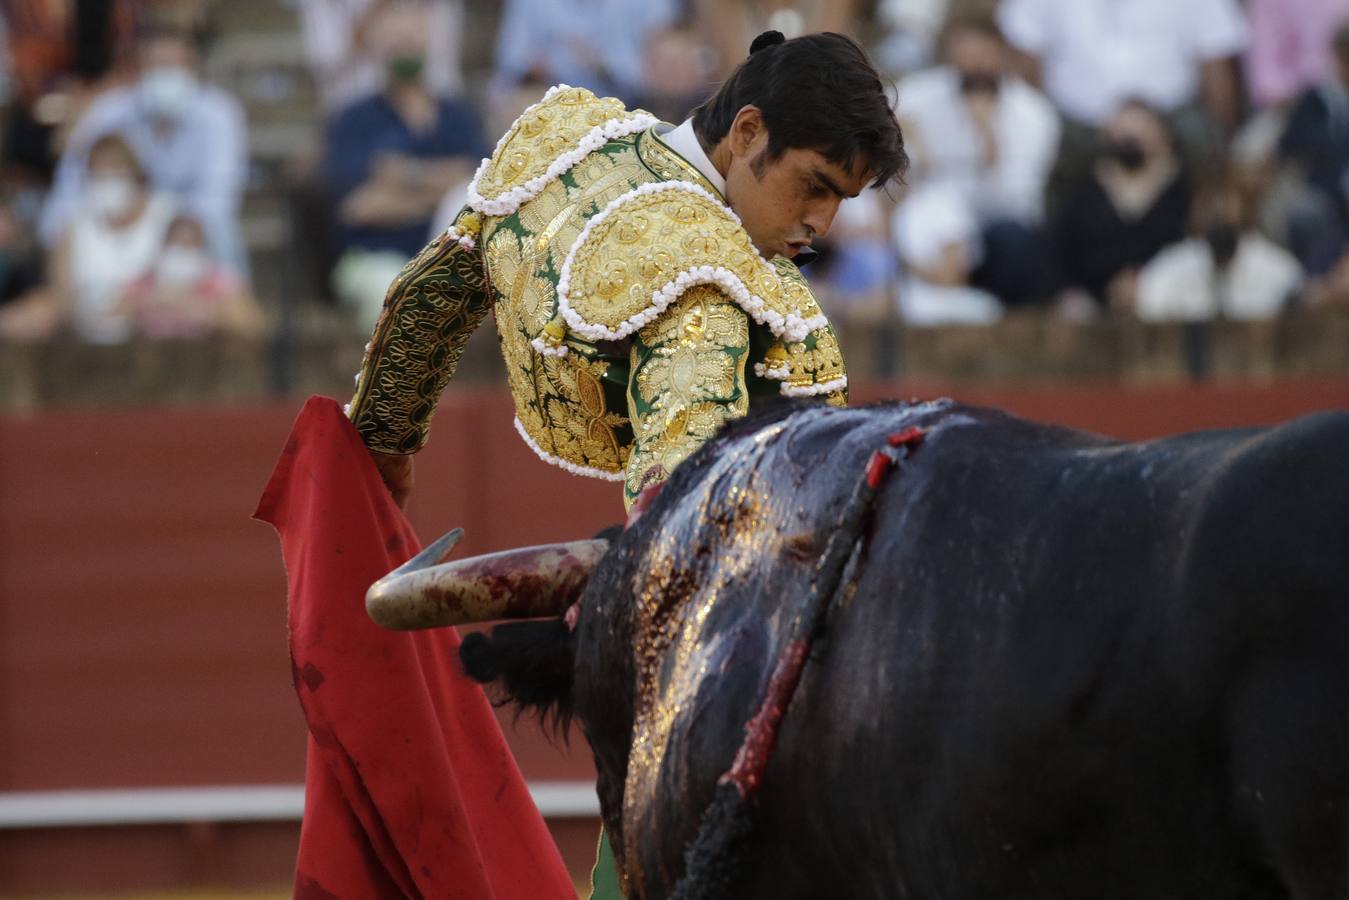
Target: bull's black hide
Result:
[[1063, 667]]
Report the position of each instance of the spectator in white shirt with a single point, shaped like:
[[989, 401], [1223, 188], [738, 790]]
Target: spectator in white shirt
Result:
[[939, 248], [114, 238], [190, 137], [1091, 56], [985, 140], [1095, 54], [1226, 269]]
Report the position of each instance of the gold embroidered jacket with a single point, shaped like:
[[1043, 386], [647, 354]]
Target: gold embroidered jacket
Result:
[[634, 313]]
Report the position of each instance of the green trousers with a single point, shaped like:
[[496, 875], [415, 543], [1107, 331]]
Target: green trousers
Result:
[[604, 877]]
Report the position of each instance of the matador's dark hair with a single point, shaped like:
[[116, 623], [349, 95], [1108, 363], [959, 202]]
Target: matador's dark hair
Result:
[[818, 92]]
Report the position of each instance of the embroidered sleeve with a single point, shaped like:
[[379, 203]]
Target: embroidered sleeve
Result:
[[688, 377], [812, 366], [430, 311]]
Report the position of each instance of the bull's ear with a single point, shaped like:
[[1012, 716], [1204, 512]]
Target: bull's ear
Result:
[[529, 583], [531, 663]]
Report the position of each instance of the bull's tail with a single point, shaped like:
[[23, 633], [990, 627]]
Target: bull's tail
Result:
[[531, 663]]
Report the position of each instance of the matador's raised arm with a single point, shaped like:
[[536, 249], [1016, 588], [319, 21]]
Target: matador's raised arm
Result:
[[430, 311]]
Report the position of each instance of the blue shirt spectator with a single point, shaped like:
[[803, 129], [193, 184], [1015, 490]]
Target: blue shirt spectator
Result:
[[371, 145], [191, 137]]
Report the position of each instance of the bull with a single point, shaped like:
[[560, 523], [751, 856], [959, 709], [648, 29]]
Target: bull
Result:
[[1054, 666]]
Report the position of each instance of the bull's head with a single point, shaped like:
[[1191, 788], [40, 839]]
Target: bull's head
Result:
[[531, 662], [428, 591]]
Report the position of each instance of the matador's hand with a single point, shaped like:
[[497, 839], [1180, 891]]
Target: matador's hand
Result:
[[396, 470]]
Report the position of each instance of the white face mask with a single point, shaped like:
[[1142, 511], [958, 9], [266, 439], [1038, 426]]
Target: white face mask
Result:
[[168, 91], [180, 266], [111, 196]]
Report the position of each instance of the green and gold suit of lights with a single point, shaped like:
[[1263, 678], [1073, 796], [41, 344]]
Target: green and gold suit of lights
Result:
[[631, 367]]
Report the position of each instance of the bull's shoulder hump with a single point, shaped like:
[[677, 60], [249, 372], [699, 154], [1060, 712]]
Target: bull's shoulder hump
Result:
[[647, 247], [545, 142]]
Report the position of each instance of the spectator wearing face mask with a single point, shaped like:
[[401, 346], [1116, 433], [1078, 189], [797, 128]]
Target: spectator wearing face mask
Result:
[[190, 136], [113, 239], [187, 294], [987, 139], [389, 161], [1134, 202], [1226, 269], [342, 40]]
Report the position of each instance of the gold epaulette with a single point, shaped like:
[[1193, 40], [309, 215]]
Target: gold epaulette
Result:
[[546, 141], [655, 242]]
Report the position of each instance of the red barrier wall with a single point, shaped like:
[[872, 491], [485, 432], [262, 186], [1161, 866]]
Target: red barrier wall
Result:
[[142, 614]]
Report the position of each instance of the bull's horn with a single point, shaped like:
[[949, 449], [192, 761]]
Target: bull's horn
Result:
[[428, 592]]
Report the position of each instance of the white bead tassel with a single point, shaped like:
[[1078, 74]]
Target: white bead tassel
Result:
[[543, 347], [814, 390]]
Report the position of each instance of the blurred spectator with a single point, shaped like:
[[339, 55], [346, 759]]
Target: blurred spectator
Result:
[[345, 40], [939, 246], [190, 136], [1134, 203], [1288, 51], [911, 31], [1316, 140], [390, 159], [857, 267], [731, 25], [187, 294], [1332, 290], [595, 44], [113, 239], [19, 272], [1093, 55], [679, 68], [989, 140], [56, 55], [1227, 269]]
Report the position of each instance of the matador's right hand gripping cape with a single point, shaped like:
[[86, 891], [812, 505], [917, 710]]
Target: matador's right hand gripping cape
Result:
[[634, 313]]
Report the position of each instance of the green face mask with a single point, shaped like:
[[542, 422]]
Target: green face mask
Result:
[[406, 68]]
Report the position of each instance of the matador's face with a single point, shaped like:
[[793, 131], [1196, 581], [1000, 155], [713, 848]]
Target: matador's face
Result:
[[784, 203]]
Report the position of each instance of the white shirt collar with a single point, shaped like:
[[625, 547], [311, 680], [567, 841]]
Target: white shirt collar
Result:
[[683, 141]]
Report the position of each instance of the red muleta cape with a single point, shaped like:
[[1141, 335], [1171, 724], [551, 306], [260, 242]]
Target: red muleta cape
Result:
[[410, 789]]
